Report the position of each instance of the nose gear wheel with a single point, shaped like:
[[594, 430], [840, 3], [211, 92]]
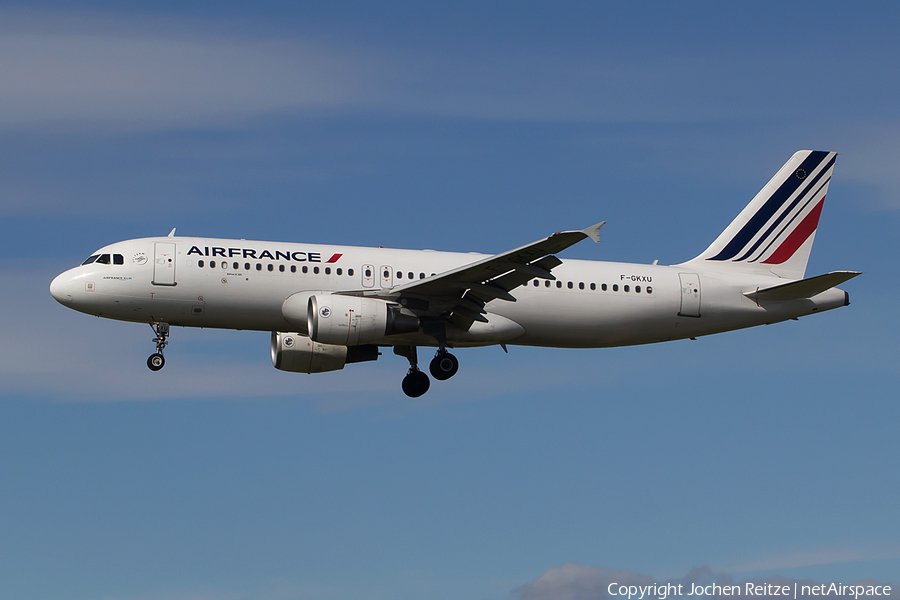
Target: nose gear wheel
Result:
[[157, 361]]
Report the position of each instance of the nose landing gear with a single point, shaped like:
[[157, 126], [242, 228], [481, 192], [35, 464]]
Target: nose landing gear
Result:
[[157, 361]]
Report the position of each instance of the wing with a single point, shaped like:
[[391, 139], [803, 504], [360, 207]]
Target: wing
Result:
[[459, 295]]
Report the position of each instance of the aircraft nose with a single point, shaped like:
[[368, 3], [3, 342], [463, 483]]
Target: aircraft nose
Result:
[[61, 288]]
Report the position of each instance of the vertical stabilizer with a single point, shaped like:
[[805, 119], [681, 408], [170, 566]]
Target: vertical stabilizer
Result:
[[775, 232]]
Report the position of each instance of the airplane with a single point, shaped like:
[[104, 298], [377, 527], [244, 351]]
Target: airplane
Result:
[[328, 306]]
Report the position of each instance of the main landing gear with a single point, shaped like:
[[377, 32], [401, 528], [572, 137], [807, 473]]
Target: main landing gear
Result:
[[157, 361], [443, 366]]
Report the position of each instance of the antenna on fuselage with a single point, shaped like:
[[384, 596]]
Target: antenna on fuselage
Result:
[[172, 233]]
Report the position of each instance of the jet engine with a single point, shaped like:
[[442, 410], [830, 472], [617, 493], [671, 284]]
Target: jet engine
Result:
[[352, 320], [299, 354]]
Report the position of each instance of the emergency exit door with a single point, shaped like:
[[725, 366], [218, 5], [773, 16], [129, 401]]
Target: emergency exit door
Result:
[[164, 263], [387, 276], [368, 276]]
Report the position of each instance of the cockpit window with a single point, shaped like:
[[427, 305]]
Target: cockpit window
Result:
[[105, 259]]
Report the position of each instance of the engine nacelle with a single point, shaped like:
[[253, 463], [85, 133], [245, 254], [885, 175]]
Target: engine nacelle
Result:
[[299, 354], [353, 320]]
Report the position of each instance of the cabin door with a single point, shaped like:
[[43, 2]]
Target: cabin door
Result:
[[164, 263], [690, 295]]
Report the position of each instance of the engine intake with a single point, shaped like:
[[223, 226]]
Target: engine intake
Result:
[[352, 320], [297, 353]]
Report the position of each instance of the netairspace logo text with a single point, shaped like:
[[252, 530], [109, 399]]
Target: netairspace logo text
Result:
[[748, 589]]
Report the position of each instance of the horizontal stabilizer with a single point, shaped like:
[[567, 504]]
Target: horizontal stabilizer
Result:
[[805, 288]]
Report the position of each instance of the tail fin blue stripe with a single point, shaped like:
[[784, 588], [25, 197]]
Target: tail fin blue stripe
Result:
[[793, 205], [775, 201], [812, 198]]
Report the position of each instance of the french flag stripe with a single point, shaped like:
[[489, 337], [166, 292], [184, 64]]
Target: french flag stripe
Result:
[[799, 235]]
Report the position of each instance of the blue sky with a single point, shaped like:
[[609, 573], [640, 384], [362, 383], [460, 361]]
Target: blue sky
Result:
[[472, 127]]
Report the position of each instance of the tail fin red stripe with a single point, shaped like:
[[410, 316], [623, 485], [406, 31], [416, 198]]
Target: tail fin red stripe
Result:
[[799, 235]]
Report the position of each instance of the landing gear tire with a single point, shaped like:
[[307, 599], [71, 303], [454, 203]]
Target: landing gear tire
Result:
[[443, 366], [156, 361], [415, 383]]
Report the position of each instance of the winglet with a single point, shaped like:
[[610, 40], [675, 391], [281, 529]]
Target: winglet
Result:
[[593, 231], [172, 233]]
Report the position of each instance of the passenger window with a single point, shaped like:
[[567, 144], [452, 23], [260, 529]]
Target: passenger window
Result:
[[246, 266], [399, 274], [339, 271], [118, 259], [580, 285], [328, 270], [649, 290], [546, 283], [270, 267], [569, 285], [212, 264], [235, 266], [293, 268], [368, 272], [637, 289], [536, 283], [305, 269], [103, 259], [281, 268], [224, 265], [350, 272], [615, 287], [603, 287], [421, 275], [593, 287], [626, 289], [200, 263], [91, 259], [259, 266], [559, 284]]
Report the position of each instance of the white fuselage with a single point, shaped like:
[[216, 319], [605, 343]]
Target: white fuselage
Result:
[[240, 284]]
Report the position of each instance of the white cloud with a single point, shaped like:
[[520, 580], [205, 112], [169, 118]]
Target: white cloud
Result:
[[577, 582], [869, 158], [813, 558], [150, 82], [76, 69]]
